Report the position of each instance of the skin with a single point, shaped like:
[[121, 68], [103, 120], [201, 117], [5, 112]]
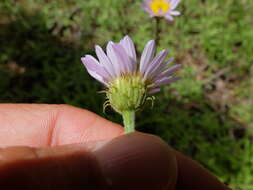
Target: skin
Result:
[[63, 147]]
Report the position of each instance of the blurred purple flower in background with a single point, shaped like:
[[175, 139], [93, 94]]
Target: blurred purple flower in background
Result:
[[161, 8]]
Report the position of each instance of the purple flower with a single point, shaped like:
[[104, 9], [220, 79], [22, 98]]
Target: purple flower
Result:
[[120, 62], [161, 8]]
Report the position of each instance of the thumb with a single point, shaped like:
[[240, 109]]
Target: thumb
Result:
[[134, 161], [138, 161]]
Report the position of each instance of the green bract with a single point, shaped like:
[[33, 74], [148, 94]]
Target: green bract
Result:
[[126, 93]]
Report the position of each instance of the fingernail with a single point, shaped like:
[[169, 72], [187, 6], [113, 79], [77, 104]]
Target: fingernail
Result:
[[136, 161]]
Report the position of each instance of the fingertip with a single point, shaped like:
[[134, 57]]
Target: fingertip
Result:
[[138, 161]]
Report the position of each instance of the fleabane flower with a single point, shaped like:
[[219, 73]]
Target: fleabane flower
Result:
[[161, 8], [128, 82]]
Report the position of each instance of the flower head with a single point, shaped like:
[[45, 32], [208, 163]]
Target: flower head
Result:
[[161, 8], [128, 82]]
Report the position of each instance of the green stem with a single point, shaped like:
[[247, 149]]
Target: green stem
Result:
[[129, 121], [158, 30]]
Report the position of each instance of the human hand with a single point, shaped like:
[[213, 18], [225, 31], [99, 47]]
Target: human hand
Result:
[[63, 147]]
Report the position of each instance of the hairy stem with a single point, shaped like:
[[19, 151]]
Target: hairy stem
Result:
[[129, 121]]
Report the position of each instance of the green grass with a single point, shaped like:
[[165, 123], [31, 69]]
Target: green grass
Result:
[[207, 115]]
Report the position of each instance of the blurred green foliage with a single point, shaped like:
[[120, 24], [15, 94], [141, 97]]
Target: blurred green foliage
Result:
[[207, 115]]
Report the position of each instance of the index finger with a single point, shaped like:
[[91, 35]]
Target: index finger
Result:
[[48, 125]]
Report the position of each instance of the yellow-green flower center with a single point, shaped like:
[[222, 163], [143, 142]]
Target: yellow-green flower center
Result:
[[126, 93], [159, 7]]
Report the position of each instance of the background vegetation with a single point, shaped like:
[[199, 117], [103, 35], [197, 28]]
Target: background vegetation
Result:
[[207, 115]]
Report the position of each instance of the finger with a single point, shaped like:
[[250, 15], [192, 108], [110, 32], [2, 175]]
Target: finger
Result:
[[135, 161], [49, 168], [191, 174], [45, 125]]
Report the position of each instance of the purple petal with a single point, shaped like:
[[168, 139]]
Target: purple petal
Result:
[[156, 62], [95, 69], [128, 45], [175, 13], [104, 60], [154, 90], [98, 77], [169, 17], [126, 64], [147, 55], [166, 64], [146, 8], [113, 58], [159, 68], [168, 71], [92, 64], [174, 3], [165, 80]]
